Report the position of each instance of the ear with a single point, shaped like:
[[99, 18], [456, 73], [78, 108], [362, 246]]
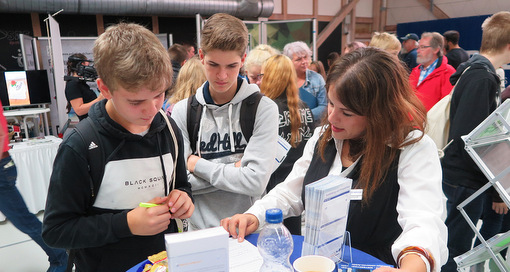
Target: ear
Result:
[[243, 58], [105, 91], [201, 55]]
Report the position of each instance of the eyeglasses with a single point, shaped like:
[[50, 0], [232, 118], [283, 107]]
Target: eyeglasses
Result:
[[421, 47], [259, 76]]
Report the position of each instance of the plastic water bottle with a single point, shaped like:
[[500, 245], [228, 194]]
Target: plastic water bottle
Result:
[[275, 243]]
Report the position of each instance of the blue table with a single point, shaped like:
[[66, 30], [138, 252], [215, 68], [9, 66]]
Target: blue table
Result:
[[360, 259]]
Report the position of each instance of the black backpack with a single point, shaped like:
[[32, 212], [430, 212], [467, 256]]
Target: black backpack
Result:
[[247, 117]]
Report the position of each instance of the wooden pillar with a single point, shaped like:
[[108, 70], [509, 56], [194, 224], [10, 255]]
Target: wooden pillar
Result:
[[284, 9], [155, 25], [376, 14], [100, 24]]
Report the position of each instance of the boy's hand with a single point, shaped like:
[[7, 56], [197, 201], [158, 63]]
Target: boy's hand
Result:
[[149, 221], [180, 204], [244, 223], [192, 161]]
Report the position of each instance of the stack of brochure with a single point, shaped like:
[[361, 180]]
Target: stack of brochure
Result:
[[327, 205]]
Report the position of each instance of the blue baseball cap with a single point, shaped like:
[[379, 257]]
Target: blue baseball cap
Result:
[[410, 36]]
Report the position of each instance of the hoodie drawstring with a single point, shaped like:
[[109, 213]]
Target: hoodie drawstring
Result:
[[162, 165], [197, 147], [230, 132]]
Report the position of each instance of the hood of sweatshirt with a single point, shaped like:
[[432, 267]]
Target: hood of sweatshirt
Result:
[[108, 126], [475, 62]]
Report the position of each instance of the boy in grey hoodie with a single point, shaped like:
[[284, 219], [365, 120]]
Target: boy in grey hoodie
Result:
[[227, 173]]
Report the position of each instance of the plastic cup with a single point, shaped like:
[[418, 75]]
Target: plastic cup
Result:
[[314, 263]]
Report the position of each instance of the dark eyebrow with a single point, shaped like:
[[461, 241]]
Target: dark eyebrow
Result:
[[136, 101]]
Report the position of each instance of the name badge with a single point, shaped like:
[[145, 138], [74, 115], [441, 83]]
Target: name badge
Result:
[[356, 194]]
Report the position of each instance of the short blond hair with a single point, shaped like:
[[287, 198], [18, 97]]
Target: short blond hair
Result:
[[190, 78], [129, 55], [385, 41], [495, 33], [224, 32], [258, 55]]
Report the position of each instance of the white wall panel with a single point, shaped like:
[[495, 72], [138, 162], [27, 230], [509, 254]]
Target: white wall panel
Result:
[[404, 11], [364, 8], [277, 7], [303, 7], [329, 7]]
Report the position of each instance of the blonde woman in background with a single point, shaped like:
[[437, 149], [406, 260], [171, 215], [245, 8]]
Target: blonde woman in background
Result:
[[254, 61], [387, 42], [296, 120], [190, 78]]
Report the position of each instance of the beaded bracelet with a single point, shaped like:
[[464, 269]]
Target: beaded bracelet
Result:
[[423, 253]]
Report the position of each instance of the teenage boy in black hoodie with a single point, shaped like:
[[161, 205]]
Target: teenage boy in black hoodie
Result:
[[109, 231], [476, 95]]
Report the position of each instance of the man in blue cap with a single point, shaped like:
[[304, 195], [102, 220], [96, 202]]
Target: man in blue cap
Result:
[[409, 52]]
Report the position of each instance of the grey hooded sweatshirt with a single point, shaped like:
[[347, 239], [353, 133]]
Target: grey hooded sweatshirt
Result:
[[219, 188]]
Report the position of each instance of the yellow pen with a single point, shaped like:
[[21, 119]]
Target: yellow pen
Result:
[[148, 205]]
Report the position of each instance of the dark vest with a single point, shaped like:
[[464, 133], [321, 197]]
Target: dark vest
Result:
[[373, 226]]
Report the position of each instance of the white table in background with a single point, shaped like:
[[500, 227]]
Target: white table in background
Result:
[[30, 113], [34, 162]]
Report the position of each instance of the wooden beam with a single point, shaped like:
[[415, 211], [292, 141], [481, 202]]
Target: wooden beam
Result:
[[320, 18], [376, 14], [284, 9], [437, 12], [99, 24], [36, 24], [339, 17], [315, 8], [155, 25]]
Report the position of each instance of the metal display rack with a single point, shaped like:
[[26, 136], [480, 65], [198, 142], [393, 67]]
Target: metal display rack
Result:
[[489, 146]]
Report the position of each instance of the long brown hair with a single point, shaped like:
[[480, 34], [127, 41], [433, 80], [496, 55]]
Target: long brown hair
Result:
[[372, 83], [279, 77], [190, 78]]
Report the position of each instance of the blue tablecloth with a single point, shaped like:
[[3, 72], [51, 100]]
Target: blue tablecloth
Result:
[[360, 259]]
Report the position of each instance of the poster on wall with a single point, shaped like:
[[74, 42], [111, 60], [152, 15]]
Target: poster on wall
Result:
[[253, 31], [280, 33]]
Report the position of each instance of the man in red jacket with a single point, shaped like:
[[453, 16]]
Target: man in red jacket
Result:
[[431, 79]]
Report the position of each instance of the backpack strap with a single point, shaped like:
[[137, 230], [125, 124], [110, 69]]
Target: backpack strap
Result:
[[96, 163], [193, 116], [248, 113], [95, 155]]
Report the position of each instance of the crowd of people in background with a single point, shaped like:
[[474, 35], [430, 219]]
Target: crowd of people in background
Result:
[[363, 118]]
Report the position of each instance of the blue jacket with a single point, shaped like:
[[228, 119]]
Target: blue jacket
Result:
[[313, 93]]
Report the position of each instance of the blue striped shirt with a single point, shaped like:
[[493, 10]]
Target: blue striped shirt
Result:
[[426, 71]]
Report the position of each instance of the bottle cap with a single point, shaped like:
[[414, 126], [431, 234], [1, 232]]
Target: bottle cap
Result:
[[274, 216]]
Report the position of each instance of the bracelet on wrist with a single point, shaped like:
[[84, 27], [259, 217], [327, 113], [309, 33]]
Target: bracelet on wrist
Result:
[[421, 252]]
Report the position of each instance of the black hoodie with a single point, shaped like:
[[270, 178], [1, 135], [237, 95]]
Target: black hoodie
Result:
[[133, 174], [475, 97]]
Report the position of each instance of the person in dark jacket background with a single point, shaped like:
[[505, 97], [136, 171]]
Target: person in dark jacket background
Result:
[[105, 226], [475, 97]]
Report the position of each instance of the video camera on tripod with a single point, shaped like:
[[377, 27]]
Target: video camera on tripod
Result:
[[85, 72]]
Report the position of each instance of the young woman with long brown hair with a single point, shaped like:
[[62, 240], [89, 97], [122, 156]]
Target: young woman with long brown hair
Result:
[[373, 135]]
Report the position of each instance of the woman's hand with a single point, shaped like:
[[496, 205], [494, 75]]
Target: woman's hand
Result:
[[244, 223]]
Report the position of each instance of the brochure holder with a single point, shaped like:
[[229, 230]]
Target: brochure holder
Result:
[[489, 146]]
